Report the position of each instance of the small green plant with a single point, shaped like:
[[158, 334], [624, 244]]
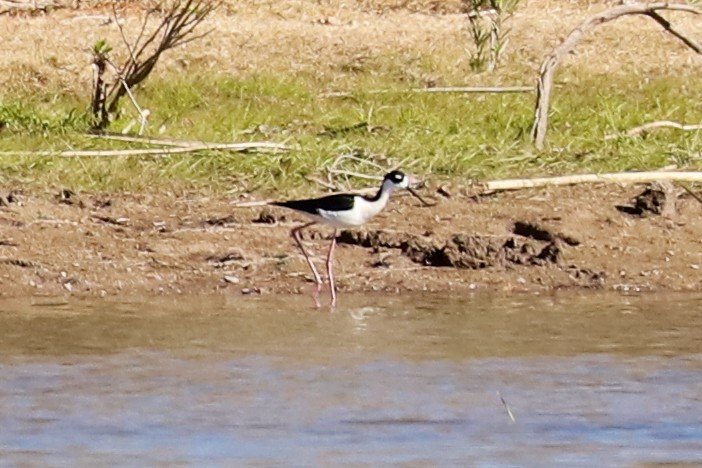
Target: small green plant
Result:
[[486, 20]]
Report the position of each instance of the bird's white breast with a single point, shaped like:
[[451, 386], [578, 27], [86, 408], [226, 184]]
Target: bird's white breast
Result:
[[362, 211]]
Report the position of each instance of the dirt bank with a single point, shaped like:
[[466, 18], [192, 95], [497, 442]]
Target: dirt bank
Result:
[[535, 240]]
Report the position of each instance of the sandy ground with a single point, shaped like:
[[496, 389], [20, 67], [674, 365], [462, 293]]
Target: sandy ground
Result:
[[91, 244]]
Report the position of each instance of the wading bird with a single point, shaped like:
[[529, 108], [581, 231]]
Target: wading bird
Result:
[[343, 211]]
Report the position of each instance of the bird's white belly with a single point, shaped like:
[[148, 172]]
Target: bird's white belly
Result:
[[343, 219], [362, 211]]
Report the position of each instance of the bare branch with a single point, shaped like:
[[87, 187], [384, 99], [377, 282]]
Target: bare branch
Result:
[[619, 177], [549, 65], [689, 191], [179, 21], [239, 147], [143, 113], [450, 89], [150, 141], [354, 174], [687, 40], [121, 31]]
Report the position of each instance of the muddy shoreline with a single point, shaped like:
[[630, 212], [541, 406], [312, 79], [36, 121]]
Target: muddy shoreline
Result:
[[600, 237]]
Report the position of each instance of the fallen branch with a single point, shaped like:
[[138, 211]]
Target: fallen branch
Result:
[[617, 177], [549, 65], [450, 89], [636, 131], [237, 147], [150, 141]]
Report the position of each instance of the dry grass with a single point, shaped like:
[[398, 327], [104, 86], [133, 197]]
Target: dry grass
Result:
[[422, 41]]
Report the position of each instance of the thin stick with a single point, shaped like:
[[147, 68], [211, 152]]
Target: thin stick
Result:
[[148, 141], [121, 32], [239, 147], [636, 131], [689, 190], [448, 89], [143, 113], [509, 411], [687, 40], [619, 177]]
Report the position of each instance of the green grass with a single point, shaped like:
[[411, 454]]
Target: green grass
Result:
[[458, 136]]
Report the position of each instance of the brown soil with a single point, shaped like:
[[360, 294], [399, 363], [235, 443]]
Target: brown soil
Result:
[[535, 240]]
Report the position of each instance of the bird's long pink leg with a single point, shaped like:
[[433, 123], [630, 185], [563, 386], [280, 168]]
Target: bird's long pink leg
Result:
[[295, 234], [330, 274]]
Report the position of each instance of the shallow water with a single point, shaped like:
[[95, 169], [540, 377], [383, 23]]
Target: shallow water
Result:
[[271, 382]]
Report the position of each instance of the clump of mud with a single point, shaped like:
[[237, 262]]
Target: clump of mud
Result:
[[537, 247], [656, 199], [460, 250], [476, 252]]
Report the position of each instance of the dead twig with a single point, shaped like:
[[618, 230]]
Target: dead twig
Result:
[[150, 141], [448, 89], [549, 65], [237, 147], [687, 40], [641, 129], [619, 177], [507, 408], [689, 191], [143, 113]]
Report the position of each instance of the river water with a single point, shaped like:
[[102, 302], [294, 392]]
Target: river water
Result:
[[573, 380]]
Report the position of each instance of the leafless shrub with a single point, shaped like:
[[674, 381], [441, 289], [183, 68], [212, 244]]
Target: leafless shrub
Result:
[[176, 26]]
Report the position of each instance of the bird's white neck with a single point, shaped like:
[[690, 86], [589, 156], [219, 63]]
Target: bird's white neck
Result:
[[386, 190], [368, 208]]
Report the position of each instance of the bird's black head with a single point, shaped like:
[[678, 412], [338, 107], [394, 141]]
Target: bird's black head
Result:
[[397, 178]]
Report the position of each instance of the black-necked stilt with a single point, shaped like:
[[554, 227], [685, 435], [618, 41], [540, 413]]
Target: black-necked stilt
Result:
[[343, 211]]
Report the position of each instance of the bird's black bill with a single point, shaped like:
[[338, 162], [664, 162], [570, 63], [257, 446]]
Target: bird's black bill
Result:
[[416, 195]]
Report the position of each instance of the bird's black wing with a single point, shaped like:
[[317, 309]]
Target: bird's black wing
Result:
[[338, 202]]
